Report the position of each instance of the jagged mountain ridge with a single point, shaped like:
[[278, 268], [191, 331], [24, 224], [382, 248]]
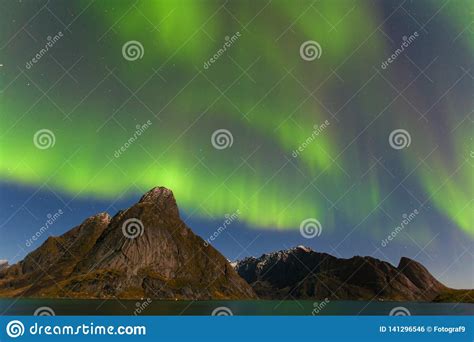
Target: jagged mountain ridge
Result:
[[301, 273], [98, 259], [3, 264], [164, 259]]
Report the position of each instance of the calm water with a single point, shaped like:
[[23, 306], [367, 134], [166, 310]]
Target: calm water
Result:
[[127, 307]]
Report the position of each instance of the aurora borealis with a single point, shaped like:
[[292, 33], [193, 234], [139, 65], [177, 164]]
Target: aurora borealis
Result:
[[337, 111]]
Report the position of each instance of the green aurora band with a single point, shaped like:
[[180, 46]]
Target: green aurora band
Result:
[[270, 113]]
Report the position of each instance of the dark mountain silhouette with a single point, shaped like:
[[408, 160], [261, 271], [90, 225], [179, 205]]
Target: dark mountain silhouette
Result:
[[301, 273], [3, 264], [147, 251], [144, 251]]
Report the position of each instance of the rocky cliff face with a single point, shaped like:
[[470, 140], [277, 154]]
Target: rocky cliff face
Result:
[[147, 251], [144, 251], [301, 273], [3, 264]]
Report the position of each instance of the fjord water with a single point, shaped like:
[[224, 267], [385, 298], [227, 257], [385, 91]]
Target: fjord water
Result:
[[13, 307]]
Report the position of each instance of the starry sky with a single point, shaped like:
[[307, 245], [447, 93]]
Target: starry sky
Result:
[[356, 115]]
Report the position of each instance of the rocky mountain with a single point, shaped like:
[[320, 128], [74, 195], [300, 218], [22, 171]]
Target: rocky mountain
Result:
[[3, 264], [146, 251], [301, 273]]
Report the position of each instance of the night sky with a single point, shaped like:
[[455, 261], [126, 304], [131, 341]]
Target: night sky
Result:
[[354, 115]]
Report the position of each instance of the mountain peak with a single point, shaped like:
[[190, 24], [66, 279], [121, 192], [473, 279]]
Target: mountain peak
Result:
[[163, 198], [405, 262], [3, 264], [419, 275], [304, 248], [143, 251], [302, 273], [100, 217]]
